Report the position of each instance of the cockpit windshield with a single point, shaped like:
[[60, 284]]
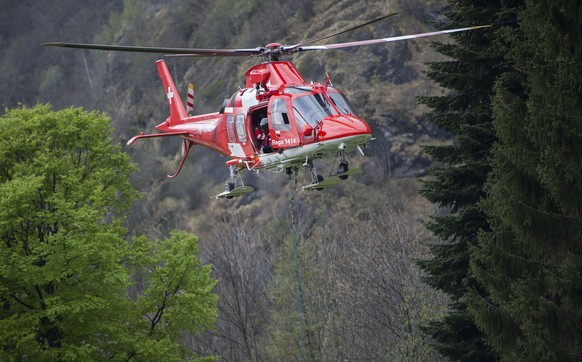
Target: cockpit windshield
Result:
[[341, 102], [312, 108]]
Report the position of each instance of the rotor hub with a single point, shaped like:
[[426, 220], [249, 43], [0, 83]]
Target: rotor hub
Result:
[[273, 51], [273, 46]]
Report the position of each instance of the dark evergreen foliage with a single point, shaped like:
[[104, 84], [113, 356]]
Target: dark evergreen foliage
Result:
[[458, 185], [530, 263]]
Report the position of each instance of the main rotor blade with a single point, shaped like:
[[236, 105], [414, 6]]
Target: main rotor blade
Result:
[[160, 50], [385, 40], [290, 48]]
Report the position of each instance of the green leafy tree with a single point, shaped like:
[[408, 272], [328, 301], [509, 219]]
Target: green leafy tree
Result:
[[174, 296], [530, 262], [457, 185], [65, 266]]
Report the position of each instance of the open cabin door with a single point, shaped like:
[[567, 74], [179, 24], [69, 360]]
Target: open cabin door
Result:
[[257, 114], [282, 128]]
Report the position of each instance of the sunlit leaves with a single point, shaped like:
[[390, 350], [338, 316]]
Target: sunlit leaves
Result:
[[66, 265]]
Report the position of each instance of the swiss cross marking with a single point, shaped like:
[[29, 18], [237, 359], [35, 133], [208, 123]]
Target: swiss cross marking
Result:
[[170, 95]]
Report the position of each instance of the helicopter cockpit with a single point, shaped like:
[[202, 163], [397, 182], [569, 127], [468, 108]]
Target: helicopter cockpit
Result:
[[297, 113], [311, 108]]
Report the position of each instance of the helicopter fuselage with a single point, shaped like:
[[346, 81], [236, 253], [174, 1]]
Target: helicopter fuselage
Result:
[[306, 121]]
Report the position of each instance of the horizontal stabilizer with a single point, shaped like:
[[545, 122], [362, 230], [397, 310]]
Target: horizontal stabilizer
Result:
[[154, 135]]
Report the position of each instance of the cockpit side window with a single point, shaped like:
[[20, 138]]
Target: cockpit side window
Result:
[[279, 115]]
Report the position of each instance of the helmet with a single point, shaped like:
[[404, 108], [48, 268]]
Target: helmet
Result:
[[264, 124]]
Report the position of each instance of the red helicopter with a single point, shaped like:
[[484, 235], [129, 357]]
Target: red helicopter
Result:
[[279, 122]]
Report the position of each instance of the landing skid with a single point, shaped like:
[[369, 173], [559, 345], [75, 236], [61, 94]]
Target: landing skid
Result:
[[332, 180], [329, 182], [236, 192], [352, 171], [232, 188]]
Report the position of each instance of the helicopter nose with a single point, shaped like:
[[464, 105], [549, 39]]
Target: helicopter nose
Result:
[[343, 126]]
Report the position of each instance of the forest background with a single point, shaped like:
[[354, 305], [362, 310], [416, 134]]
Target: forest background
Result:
[[363, 294]]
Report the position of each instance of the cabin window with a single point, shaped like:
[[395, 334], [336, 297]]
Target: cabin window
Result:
[[279, 115], [230, 128], [240, 128]]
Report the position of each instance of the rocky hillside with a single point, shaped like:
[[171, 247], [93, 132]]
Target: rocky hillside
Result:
[[382, 82]]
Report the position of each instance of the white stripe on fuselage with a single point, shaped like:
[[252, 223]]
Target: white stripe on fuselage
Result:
[[312, 150], [236, 150]]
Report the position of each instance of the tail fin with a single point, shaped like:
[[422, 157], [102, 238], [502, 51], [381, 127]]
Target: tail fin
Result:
[[177, 111]]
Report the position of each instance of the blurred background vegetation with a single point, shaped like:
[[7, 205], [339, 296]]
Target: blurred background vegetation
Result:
[[363, 295], [508, 184]]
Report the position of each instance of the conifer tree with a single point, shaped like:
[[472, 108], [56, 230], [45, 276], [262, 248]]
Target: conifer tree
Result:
[[530, 263], [458, 184]]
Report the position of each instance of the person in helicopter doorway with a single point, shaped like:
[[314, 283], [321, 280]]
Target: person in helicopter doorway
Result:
[[262, 135]]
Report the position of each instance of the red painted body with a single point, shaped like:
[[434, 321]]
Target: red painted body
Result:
[[299, 114], [274, 75]]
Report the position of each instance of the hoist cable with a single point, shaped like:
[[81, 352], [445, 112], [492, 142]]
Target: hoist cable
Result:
[[293, 184]]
